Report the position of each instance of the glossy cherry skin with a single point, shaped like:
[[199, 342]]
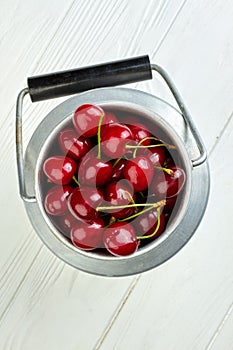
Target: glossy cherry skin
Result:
[[60, 169], [139, 171], [165, 185], [139, 133], [88, 236], [109, 118], [170, 203], [115, 139], [118, 169], [55, 202], [146, 223], [66, 222], [83, 202], [93, 171], [120, 239], [86, 119], [156, 155], [72, 145], [119, 193]]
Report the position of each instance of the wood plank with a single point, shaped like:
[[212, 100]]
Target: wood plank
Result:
[[180, 304], [223, 338]]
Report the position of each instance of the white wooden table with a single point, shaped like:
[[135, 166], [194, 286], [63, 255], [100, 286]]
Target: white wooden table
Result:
[[185, 304]]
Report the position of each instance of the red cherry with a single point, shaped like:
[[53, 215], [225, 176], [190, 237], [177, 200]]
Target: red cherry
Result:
[[93, 171], [170, 203], [168, 185], [118, 170], [60, 169], [120, 239], [139, 133], [86, 119], [109, 118], [83, 201], [73, 145], [119, 193], [55, 202], [139, 171], [146, 223], [115, 139], [88, 236], [66, 222], [156, 155]]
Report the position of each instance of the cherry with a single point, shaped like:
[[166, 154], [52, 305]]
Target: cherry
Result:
[[86, 119], [119, 194], [73, 145], [118, 169], [55, 202], [120, 239], [139, 133], [93, 171], [170, 203], [146, 223], [60, 169], [109, 118], [139, 171], [168, 183], [88, 236], [66, 222], [115, 139], [83, 201], [157, 155]]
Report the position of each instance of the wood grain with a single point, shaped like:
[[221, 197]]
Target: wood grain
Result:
[[184, 304]]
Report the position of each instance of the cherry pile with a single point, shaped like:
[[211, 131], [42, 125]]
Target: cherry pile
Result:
[[108, 183]]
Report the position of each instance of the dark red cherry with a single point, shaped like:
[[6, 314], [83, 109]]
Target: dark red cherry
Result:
[[119, 193], [157, 155], [146, 223], [139, 133], [73, 145], [120, 239], [93, 171], [170, 203], [60, 169], [115, 139], [109, 118], [83, 202], [118, 169], [168, 185], [139, 171], [86, 119], [66, 222], [55, 202], [88, 236]]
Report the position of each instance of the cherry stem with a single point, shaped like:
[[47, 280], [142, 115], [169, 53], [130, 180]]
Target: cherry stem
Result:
[[75, 180], [149, 146], [116, 162], [168, 171], [137, 214], [153, 205], [99, 136], [156, 230]]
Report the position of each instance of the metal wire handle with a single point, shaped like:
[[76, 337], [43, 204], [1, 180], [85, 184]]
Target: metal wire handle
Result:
[[186, 115]]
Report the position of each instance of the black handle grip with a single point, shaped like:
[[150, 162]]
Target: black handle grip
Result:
[[69, 82]]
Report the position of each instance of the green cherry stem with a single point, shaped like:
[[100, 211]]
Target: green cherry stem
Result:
[[168, 171], [75, 180], [116, 162], [155, 231], [99, 136], [139, 145], [152, 205], [137, 214]]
